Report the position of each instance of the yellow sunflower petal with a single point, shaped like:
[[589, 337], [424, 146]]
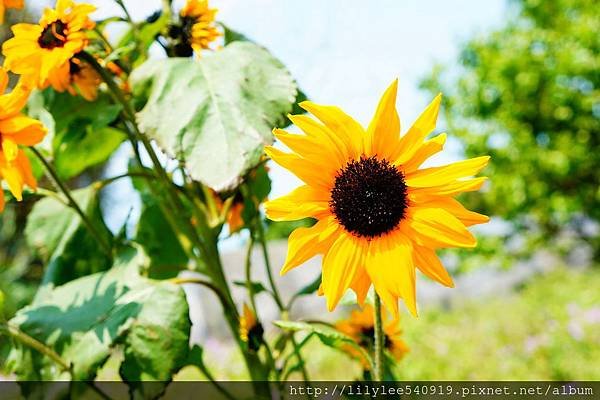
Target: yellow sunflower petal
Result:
[[18, 4], [13, 179], [305, 243], [3, 78], [423, 126], [429, 264], [340, 265], [347, 129], [304, 201], [9, 148], [309, 149], [2, 201], [321, 133], [308, 172], [450, 189], [436, 176], [13, 102], [361, 285], [427, 149], [453, 206], [23, 130], [434, 227], [24, 167], [384, 130], [390, 266]]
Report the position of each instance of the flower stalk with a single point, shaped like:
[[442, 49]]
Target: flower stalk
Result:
[[379, 345]]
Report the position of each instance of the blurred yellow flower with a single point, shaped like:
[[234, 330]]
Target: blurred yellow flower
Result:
[[251, 331], [77, 77], [198, 24], [361, 327], [42, 50], [16, 129], [379, 215], [4, 4], [16, 173]]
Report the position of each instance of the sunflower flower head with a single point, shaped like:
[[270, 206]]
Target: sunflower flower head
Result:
[[360, 326], [4, 4], [42, 49], [197, 29], [16, 129], [251, 331], [76, 77], [380, 216]]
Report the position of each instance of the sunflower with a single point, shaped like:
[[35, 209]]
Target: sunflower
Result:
[[251, 331], [16, 173], [16, 129], [43, 49], [379, 216], [4, 4], [77, 77], [361, 327], [197, 29]]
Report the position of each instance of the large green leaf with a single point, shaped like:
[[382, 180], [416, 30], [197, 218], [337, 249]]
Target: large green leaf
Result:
[[217, 113], [59, 236], [80, 133], [85, 319], [155, 234]]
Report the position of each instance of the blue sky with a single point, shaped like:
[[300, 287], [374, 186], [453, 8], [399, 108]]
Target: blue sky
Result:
[[346, 52]]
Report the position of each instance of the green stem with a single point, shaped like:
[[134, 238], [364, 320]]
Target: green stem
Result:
[[134, 136], [379, 345], [34, 344], [112, 179], [208, 248], [72, 203], [248, 266], [277, 297], [265, 251], [214, 382], [127, 15], [198, 281]]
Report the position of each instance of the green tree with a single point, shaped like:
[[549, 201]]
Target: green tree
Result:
[[528, 94]]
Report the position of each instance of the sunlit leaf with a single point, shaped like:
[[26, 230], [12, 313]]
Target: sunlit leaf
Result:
[[217, 113], [84, 319], [59, 236]]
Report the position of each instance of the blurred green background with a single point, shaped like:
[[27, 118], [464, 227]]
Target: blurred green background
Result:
[[525, 90]]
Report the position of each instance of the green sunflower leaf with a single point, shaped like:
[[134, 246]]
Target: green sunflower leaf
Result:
[[328, 336], [63, 242], [80, 135], [215, 114], [257, 287], [83, 320], [155, 234]]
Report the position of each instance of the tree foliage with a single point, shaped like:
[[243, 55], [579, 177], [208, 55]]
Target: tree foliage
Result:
[[528, 94]]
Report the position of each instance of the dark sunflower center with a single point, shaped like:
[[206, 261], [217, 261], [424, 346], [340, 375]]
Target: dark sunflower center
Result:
[[74, 68], [255, 337], [182, 34], [369, 197], [53, 35], [367, 338]]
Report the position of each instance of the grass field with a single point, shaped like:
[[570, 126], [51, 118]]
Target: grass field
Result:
[[547, 329]]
